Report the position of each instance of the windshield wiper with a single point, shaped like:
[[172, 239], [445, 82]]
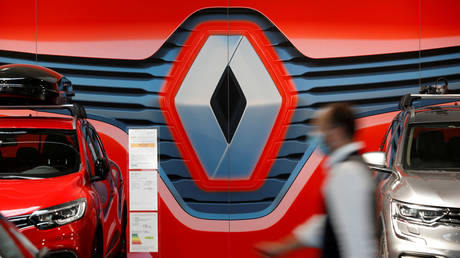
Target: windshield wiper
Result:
[[18, 177]]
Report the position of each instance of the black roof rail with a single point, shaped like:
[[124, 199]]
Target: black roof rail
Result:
[[76, 110]]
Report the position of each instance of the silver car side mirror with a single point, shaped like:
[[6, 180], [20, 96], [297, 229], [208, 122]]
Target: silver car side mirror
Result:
[[376, 160]]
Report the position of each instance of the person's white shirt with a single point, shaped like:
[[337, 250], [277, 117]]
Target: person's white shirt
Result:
[[349, 194]]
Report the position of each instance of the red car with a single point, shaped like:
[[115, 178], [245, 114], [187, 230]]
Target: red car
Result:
[[58, 185]]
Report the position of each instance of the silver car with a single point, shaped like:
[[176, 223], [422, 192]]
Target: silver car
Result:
[[418, 182]]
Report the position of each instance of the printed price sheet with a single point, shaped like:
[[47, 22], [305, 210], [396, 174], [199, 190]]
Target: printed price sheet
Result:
[[143, 151]]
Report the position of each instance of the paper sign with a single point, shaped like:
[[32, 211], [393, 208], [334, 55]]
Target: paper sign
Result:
[[143, 191], [143, 232], [143, 151]]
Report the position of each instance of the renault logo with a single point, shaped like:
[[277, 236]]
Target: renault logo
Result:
[[228, 105]]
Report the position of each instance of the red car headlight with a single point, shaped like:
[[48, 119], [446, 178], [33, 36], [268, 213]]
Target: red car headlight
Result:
[[59, 215]]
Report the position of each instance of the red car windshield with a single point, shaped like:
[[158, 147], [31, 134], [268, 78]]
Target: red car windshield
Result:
[[433, 147], [43, 153]]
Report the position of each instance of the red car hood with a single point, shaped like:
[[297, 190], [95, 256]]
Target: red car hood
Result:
[[23, 196]]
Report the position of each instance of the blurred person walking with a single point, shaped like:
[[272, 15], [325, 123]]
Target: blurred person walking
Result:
[[348, 227]]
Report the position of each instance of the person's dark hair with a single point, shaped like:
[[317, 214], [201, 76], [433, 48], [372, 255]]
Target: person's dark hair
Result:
[[342, 115]]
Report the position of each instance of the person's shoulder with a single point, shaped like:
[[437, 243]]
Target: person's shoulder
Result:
[[351, 169], [351, 165]]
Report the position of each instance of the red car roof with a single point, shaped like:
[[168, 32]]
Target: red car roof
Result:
[[49, 123], [21, 119]]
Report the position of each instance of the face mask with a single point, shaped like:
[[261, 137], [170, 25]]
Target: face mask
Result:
[[319, 139]]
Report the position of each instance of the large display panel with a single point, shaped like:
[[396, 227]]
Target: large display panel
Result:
[[231, 87]]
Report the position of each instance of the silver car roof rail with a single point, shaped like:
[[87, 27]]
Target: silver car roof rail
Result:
[[436, 91], [408, 99]]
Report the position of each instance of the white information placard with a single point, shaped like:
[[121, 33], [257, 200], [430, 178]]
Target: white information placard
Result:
[[143, 232], [143, 151], [143, 191]]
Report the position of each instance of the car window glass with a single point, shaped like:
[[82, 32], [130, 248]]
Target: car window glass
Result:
[[389, 134], [394, 143], [433, 147], [387, 139], [388, 147], [90, 152], [97, 144], [388, 155], [101, 146], [90, 159], [38, 152], [91, 144]]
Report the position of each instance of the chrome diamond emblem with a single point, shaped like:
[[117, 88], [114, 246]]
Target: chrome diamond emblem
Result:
[[228, 104]]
